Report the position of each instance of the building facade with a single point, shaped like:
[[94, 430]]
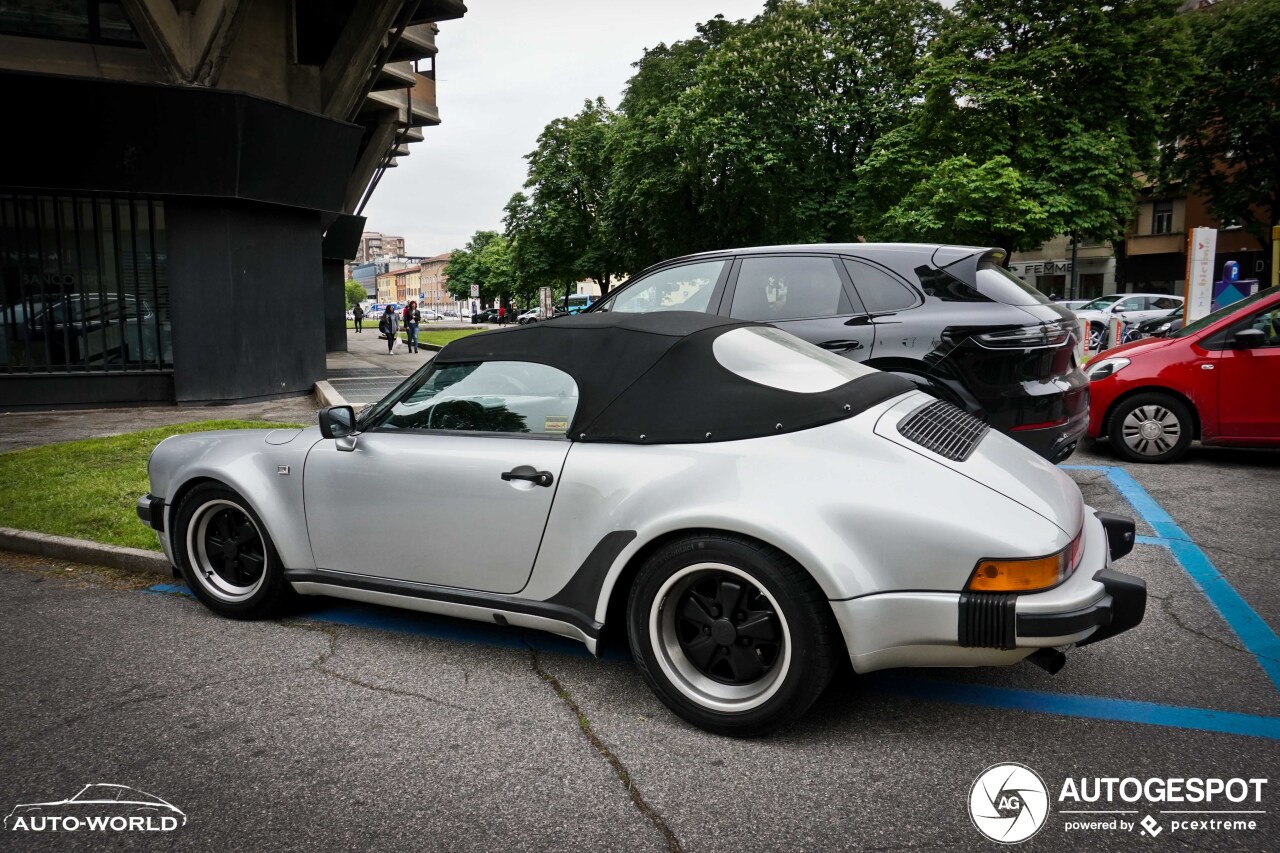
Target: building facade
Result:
[[231, 147], [374, 246], [1048, 268]]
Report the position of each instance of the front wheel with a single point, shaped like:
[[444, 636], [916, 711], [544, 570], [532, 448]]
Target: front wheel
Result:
[[226, 555], [731, 635], [1151, 427]]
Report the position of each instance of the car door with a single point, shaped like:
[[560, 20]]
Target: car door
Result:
[[451, 485], [1248, 405], [806, 295], [1131, 310]]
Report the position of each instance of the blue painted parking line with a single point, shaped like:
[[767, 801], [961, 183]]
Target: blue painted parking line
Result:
[[1075, 705], [1256, 636], [1254, 633]]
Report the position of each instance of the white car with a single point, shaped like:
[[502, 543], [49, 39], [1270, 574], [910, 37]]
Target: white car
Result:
[[429, 315], [749, 506], [1131, 308]]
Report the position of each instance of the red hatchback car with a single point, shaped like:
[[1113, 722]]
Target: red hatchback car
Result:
[[1217, 379]]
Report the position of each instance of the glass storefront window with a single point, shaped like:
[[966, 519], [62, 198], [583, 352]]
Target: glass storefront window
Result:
[[84, 285], [75, 20]]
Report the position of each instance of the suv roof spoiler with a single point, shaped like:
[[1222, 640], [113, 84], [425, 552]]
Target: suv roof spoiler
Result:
[[963, 262]]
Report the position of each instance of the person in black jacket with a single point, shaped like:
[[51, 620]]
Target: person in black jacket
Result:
[[390, 326], [358, 315], [412, 317]]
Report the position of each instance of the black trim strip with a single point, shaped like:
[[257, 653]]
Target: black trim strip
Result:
[[582, 591], [452, 595], [1061, 624], [152, 513], [987, 620]]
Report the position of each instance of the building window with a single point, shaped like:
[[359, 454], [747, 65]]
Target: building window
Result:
[[84, 285], [1162, 217], [98, 21]]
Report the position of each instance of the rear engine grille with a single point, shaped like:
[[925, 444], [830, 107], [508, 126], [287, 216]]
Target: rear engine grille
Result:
[[988, 620], [944, 429]]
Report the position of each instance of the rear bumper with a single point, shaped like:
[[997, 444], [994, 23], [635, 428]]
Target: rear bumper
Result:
[[1055, 443], [990, 629]]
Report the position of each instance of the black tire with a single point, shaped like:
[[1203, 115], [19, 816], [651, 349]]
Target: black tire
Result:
[[1151, 427], [750, 685], [226, 555], [1096, 334]]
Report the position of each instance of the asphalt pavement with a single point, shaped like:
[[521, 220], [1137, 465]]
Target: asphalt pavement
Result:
[[350, 727]]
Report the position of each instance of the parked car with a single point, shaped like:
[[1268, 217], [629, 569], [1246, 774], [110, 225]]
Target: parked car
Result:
[[488, 315], [949, 318], [534, 315], [428, 315], [1214, 380], [749, 506], [1160, 327], [1131, 308], [1073, 305]]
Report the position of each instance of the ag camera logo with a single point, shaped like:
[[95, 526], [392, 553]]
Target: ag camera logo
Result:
[[1008, 803]]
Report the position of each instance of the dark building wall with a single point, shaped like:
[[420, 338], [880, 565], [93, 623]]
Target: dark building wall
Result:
[[246, 287], [335, 306]]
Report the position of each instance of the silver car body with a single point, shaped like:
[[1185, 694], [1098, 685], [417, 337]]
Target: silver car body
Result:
[[873, 517]]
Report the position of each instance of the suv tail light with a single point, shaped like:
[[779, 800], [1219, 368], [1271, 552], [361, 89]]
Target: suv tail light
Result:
[[1027, 337]]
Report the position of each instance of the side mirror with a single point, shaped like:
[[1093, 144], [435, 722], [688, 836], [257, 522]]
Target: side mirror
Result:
[[1250, 338], [337, 421]]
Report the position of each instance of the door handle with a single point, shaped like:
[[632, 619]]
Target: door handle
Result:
[[538, 478], [840, 346]]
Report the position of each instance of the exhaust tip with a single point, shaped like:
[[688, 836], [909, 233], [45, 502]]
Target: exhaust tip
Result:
[[1050, 660]]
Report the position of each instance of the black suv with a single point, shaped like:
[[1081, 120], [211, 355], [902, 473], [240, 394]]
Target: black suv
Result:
[[950, 318]]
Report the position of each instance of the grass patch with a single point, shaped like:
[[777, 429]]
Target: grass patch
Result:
[[443, 336], [89, 489]]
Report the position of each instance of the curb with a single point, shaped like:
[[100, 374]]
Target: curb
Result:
[[81, 551], [327, 395]]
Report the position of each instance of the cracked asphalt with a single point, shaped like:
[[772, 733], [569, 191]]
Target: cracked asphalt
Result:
[[309, 734]]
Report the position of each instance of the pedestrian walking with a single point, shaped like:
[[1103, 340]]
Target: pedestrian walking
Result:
[[390, 326], [412, 317], [358, 314], [502, 315]]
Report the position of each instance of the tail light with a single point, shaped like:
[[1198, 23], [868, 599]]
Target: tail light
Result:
[[1027, 337]]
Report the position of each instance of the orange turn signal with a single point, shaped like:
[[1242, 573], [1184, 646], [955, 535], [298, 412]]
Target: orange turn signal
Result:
[[1027, 575]]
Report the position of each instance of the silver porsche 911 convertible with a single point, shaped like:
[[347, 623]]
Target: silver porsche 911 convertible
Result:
[[749, 506]]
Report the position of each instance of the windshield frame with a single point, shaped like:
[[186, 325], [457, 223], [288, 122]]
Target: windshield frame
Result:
[[1101, 303], [1222, 313]]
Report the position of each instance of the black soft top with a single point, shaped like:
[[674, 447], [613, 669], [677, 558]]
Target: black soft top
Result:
[[653, 379]]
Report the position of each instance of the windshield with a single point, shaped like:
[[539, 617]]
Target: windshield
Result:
[[1226, 310], [1100, 303]]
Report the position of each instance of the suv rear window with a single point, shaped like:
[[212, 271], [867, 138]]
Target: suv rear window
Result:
[[996, 282]]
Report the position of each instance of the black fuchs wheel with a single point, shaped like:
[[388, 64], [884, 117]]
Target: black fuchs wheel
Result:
[[226, 555], [732, 635]]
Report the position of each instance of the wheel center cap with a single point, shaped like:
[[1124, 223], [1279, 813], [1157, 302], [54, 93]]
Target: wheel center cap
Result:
[[1151, 430], [231, 552], [723, 632]]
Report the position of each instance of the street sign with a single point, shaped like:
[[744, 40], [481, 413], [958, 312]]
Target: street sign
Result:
[[475, 291]]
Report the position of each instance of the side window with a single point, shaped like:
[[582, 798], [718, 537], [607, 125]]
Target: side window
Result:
[[792, 288], [682, 288], [1165, 303], [879, 291], [490, 396], [1267, 322], [1132, 303]]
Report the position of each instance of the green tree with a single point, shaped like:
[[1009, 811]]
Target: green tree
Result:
[[486, 261], [1228, 113], [355, 293], [752, 132], [560, 224], [1056, 103]]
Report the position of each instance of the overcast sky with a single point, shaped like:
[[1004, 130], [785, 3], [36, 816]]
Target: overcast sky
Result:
[[504, 70]]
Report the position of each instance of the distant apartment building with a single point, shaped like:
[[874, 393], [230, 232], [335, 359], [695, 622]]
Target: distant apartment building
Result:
[[400, 285], [375, 246], [435, 284]]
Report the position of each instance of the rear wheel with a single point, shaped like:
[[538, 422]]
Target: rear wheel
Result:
[[1095, 337], [226, 555], [732, 635], [1151, 427]]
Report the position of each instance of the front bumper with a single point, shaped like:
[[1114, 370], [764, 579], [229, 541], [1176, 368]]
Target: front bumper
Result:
[[990, 629], [151, 511]]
